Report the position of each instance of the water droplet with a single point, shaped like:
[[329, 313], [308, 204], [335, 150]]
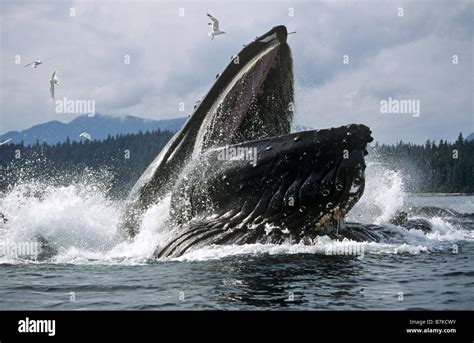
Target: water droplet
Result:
[[325, 192]]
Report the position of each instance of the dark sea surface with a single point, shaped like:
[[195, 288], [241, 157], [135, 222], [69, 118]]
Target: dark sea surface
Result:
[[435, 281], [92, 271]]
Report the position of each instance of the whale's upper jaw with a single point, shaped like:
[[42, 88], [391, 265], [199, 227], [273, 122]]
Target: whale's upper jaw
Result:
[[251, 98], [246, 73], [278, 33]]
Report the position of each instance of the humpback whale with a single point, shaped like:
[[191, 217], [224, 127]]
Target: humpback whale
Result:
[[236, 173]]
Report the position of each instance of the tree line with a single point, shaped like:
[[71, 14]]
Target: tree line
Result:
[[116, 163], [113, 164], [441, 167]]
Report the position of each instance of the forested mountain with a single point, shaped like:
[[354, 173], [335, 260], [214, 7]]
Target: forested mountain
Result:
[[98, 126]]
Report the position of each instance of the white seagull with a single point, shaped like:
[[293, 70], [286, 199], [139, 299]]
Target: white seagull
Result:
[[53, 82], [214, 27], [6, 142], [35, 64], [85, 135]]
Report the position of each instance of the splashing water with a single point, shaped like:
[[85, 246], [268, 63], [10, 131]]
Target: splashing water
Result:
[[74, 215], [383, 196], [152, 234], [80, 222]]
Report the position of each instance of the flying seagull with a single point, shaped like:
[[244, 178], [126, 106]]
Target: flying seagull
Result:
[[214, 27], [85, 135], [6, 142], [35, 64], [53, 82]]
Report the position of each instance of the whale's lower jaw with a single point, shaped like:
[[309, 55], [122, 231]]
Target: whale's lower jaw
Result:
[[301, 187], [217, 232], [299, 230], [221, 231]]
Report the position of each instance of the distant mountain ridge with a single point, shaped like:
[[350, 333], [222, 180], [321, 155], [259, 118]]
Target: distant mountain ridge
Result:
[[99, 127]]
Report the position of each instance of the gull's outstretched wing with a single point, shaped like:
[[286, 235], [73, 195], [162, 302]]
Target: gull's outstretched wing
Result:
[[214, 22], [6, 142], [51, 89]]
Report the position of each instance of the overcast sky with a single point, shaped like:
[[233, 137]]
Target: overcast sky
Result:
[[172, 60]]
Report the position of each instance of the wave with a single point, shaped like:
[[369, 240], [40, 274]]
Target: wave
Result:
[[443, 238], [79, 222]]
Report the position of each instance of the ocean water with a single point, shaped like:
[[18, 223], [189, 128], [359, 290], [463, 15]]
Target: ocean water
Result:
[[92, 269]]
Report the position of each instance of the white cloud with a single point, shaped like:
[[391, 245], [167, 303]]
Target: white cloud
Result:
[[173, 60]]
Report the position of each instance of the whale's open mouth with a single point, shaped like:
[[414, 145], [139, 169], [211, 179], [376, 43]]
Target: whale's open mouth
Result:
[[234, 171], [252, 99]]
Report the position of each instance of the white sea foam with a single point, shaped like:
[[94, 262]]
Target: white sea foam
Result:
[[383, 196], [80, 222], [415, 242], [320, 247]]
